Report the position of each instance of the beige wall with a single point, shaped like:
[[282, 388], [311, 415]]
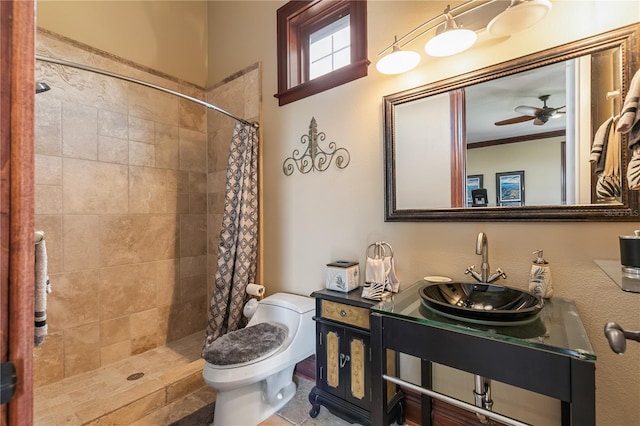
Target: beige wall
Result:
[[316, 218], [313, 219], [540, 160], [168, 36]]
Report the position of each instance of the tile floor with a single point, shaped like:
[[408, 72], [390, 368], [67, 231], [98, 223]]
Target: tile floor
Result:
[[296, 412], [171, 392]]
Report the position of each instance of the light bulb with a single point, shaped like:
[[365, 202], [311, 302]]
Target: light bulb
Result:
[[398, 61], [450, 42], [518, 16]]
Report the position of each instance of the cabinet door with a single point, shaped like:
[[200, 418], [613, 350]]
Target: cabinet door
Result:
[[357, 371], [328, 358]]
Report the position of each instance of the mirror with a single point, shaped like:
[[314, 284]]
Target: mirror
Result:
[[519, 133]]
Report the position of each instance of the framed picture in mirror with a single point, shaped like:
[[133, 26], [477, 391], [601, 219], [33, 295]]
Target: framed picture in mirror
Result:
[[473, 182], [510, 188]]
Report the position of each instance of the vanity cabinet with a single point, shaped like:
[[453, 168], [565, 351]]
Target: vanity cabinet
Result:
[[551, 355], [343, 359]]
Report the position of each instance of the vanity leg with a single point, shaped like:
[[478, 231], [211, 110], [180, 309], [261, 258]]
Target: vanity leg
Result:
[[379, 415], [565, 413], [315, 405], [427, 383], [583, 393]]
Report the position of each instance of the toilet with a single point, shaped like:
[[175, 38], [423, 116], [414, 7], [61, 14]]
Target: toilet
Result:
[[251, 369]]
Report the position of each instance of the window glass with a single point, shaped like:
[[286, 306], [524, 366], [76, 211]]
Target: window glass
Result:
[[341, 58], [329, 48], [342, 38], [320, 67]]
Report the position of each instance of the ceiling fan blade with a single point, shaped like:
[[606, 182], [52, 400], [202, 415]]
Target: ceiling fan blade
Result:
[[514, 120], [528, 110]]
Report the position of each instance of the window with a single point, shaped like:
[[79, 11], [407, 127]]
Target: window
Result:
[[321, 44], [329, 48]]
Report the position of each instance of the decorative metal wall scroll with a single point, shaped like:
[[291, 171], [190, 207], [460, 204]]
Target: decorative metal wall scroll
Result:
[[315, 158]]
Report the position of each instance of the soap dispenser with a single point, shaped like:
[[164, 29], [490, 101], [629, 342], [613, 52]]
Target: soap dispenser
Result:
[[540, 277]]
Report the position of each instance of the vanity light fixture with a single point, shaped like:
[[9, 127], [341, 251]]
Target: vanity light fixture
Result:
[[452, 38], [398, 61], [520, 15]]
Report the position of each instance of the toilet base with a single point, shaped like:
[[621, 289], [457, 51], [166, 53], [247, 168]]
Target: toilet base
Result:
[[249, 405]]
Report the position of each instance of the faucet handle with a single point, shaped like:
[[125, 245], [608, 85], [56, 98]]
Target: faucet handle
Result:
[[499, 274], [474, 274]]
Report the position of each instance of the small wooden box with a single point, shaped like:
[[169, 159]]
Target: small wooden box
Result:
[[343, 276]]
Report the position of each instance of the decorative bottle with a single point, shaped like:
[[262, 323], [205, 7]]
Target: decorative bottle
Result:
[[540, 277]]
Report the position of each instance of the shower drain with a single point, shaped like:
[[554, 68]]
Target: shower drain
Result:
[[135, 376]]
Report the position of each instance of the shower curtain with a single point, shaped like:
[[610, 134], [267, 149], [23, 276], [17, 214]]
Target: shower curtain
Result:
[[238, 244]]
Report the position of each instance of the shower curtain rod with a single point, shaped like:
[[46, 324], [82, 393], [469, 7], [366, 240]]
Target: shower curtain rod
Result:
[[144, 83]]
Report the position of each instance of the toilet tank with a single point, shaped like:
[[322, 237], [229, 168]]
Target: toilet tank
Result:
[[284, 308], [294, 302]]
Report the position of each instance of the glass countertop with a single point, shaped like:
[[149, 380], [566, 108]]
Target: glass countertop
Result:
[[613, 269], [558, 327]]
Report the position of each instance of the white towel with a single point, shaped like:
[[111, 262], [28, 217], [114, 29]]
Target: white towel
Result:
[[630, 113], [599, 142], [374, 278], [633, 170], [374, 272], [42, 288], [612, 155], [634, 136], [391, 283]]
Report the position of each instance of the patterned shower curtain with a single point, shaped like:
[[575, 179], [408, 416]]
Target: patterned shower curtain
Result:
[[238, 245]]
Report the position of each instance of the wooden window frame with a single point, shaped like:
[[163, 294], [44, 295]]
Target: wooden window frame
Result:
[[296, 20]]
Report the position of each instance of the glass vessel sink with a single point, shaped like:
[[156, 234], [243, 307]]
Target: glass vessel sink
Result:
[[482, 303]]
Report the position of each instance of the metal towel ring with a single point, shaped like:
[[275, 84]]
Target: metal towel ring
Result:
[[379, 250], [384, 243]]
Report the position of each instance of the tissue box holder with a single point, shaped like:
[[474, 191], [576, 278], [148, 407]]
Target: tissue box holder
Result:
[[343, 276]]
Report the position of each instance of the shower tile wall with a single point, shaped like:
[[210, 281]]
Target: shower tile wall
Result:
[[121, 194]]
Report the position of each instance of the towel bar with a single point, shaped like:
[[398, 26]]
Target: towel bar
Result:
[[453, 401]]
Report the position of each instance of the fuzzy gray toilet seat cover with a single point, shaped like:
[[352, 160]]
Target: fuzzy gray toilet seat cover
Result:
[[246, 344]]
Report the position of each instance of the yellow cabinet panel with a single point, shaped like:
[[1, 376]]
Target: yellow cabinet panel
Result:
[[346, 314], [333, 350], [357, 368]]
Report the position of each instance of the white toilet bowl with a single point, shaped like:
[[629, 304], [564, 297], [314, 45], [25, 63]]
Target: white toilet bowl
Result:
[[251, 391]]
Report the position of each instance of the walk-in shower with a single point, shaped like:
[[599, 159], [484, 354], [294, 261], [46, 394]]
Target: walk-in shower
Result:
[[127, 181]]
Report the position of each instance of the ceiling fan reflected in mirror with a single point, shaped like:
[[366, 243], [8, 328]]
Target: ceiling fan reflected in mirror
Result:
[[538, 115]]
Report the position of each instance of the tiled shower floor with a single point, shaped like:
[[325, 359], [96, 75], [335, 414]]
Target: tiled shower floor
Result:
[[171, 391], [106, 397]]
